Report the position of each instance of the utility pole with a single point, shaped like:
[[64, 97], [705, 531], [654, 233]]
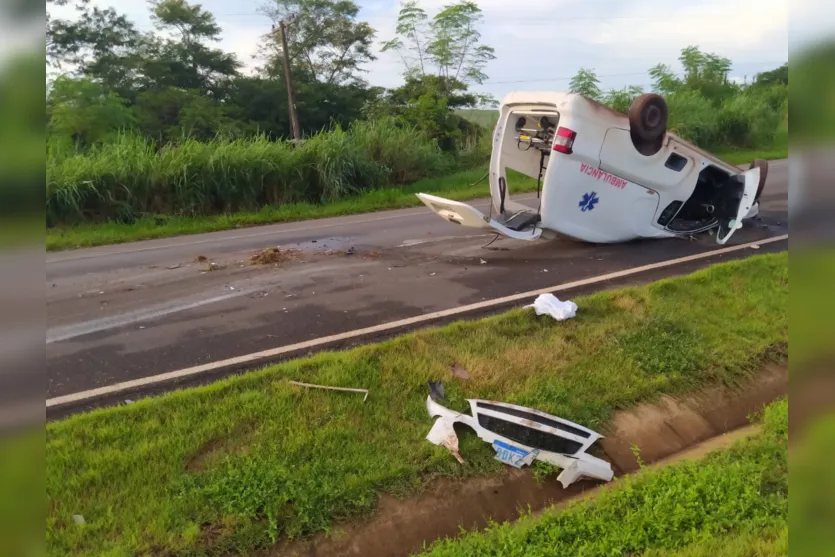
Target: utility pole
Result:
[[288, 78]]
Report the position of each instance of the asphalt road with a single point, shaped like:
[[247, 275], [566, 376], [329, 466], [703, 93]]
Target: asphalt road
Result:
[[117, 313]]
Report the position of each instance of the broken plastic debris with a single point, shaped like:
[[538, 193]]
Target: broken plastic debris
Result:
[[755, 246], [329, 388], [548, 304], [177, 266], [542, 430], [483, 262], [436, 390], [443, 434]]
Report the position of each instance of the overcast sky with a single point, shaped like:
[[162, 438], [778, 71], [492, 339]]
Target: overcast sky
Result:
[[540, 44]]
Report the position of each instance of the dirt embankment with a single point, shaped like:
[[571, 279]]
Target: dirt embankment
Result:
[[663, 432]]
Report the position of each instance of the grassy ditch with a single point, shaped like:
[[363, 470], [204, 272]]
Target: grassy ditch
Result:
[[236, 465], [732, 502]]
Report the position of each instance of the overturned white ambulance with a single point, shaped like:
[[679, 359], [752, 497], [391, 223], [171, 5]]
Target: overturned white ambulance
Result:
[[605, 177]]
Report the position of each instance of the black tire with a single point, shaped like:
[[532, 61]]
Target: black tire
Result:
[[648, 118], [763, 166]]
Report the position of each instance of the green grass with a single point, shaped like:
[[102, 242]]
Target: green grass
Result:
[[130, 176], [768, 542], [237, 464], [732, 502], [459, 186]]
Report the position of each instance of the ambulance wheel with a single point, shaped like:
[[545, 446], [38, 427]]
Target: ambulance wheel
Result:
[[763, 166], [648, 118]]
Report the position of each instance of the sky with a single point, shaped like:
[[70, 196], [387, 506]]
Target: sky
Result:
[[540, 44]]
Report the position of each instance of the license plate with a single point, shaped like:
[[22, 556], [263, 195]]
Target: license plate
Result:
[[514, 456]]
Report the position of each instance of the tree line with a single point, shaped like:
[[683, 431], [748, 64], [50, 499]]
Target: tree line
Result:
[[173, 83]]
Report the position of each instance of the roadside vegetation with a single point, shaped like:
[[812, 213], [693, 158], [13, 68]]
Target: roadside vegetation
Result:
[[734, 502], [160, 125], [237, 465], [464, 185]]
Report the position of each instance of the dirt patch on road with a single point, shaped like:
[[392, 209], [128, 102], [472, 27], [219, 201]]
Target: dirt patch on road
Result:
[[274, 256], [660, 431]]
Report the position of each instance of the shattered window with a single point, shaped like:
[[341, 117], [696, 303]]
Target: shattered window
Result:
[[528, 436]]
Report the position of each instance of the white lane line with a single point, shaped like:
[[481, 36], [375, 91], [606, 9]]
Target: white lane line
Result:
[[78, 257], [273, 352]]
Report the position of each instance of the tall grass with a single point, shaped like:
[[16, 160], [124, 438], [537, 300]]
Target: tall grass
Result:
[[131, 176]]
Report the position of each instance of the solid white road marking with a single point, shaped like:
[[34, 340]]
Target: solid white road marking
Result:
[[273, 352]]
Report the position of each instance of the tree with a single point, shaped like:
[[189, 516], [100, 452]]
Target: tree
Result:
[[776, 76], [621, 99], [450, 42], [705, 73], [186, 62], [665, 81], [586, 83], [83, 111], [100, 44], [327, 44], [428, 103]]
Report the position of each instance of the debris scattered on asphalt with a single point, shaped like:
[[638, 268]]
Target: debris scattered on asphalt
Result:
[[459, 371], [78, 519], [432, 274], [329, 388], [548, 304], [483, 262], [350, 251], [128, 401], [260, 294], [177, 266], [231, 287], [543, 433], [201, 259], [436, 390], [755, 246], [274, 256], [142, 326], [544, 270], [215, 267]]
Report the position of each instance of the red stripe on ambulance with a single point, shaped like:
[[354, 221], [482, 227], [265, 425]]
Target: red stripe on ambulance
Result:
[[602, 175]]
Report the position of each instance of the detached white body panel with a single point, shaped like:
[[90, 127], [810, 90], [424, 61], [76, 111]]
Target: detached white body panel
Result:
[[521, 435], [595, 184]]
